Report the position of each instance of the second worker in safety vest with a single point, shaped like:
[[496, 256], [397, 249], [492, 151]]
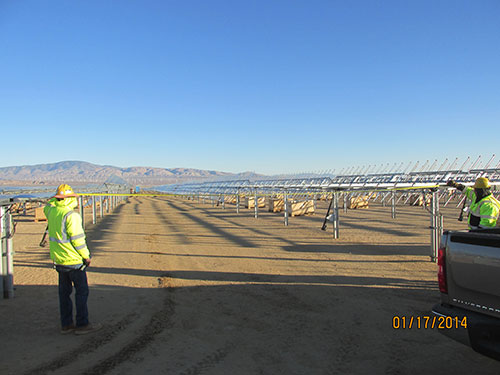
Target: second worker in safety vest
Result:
[[485, 208]]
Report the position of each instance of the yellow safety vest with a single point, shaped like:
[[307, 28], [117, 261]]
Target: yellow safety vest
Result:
[[487, 209], [66, 235]]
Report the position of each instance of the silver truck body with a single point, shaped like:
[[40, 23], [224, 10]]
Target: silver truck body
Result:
[[471, 267]]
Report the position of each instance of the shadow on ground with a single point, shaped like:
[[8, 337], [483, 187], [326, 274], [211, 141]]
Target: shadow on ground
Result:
[[275, 327], [362, 249]]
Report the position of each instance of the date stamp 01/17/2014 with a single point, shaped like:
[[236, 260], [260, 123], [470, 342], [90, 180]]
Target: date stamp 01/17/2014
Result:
[[429, 322]]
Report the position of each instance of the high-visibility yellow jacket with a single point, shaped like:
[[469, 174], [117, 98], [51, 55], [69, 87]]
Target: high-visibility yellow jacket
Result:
[[66, 235], [482, 214]]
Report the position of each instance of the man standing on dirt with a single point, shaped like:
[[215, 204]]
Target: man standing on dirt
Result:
[[484, 208], [71, 256]]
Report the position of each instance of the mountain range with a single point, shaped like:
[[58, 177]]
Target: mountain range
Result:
[[80, 172]]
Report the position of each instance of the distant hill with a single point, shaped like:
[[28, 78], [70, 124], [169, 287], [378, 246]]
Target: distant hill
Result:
[[77, 172]]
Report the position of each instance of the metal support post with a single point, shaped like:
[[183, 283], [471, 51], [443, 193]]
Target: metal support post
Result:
[[101, 208], [256, 205], [393, 204], [436, 225], [94, 213], [286, 207], [384, 195], [238, 202], [345, 202], [223, 202], [336, 215], [80, 202], [6, 251], [2, 267]]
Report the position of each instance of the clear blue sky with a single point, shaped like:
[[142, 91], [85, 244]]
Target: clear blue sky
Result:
[[268, 86]]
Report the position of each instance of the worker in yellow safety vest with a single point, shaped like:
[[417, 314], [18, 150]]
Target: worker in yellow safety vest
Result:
[[484, 208], [69, 252]]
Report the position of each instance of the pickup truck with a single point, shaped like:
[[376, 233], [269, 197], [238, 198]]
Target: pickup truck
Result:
[[469, 282]]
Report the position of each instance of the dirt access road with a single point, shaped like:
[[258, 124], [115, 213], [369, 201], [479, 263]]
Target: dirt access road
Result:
[[186, 288]]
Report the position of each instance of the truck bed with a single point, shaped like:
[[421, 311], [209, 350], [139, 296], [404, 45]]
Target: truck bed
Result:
[[470, 261]]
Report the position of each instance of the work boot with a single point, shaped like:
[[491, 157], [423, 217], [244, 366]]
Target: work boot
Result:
[[89, 328], [68, 329]]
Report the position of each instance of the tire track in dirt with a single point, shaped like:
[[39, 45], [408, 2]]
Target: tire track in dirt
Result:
[[159, 321], [209, 361], [91, 345]]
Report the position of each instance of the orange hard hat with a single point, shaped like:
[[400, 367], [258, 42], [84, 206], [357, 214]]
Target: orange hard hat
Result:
[[64, 191]]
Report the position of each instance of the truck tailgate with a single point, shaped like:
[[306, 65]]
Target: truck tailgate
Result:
[[473, 270]]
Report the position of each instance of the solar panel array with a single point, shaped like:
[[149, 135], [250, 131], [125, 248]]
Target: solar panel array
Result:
[[368, 179]]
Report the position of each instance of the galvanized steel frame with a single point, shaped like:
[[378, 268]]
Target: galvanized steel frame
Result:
[[380, 182]]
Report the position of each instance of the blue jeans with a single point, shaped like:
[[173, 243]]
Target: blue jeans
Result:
[[66, 281]]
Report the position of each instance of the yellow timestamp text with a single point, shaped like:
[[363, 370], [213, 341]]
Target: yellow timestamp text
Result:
[[426, 322]]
